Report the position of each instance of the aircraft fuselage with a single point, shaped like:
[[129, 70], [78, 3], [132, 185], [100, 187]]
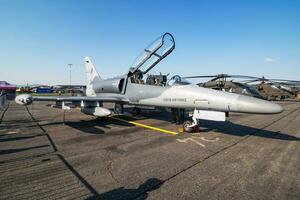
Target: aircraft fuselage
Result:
[[193, 97]]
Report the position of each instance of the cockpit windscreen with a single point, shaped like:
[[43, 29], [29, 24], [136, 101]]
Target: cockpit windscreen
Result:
[[177, 80]]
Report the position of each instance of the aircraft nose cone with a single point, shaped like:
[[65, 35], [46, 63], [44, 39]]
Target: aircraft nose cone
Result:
[[254, 105]]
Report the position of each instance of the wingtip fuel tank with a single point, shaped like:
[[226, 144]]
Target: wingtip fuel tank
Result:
[[24, 99]]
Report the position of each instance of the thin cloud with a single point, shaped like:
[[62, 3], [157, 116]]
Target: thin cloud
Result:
[[269, 60]]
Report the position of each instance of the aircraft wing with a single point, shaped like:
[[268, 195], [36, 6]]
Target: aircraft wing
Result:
[[27, 99], [79, 98]]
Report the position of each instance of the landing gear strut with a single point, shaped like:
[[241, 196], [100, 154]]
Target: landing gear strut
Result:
[[187, 126], [193, 125], [64, 108], [119, 108]]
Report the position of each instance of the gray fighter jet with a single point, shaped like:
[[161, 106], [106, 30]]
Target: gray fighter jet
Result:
[[131, 89]]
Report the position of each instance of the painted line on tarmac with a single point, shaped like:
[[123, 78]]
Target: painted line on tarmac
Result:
[[192, 140], [146, 126]]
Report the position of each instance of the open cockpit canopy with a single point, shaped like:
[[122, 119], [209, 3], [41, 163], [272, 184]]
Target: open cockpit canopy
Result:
[[153, 54]]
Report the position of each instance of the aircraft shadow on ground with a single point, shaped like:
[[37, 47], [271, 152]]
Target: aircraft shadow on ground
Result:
[[93, 126], [89, 126], [122, 193], [243, 130], [157, 114]]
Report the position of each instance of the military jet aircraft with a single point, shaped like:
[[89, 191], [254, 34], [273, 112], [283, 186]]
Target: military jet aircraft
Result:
[[131, 89]]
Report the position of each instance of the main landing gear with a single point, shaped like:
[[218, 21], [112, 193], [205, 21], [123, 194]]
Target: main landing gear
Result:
[[119, 108], [136, 111]]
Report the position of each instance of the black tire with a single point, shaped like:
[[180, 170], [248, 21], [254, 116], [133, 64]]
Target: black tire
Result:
[[227, 114], [139, 111], [136, 111], [186, 127]]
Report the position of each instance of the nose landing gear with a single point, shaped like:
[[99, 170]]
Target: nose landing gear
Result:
[[187, 126], [192, 125]]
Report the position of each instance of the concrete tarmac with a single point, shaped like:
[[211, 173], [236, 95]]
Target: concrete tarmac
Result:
[[247, 157]]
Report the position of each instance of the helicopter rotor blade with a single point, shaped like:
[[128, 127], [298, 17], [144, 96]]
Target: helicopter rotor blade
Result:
[[209, 76], [284, 80]]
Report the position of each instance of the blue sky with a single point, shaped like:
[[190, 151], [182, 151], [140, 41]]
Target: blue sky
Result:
[[38, 38]]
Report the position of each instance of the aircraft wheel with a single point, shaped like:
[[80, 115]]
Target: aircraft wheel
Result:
[[119, 108], [100, 119], [186, 127], [227, 114], [136, 111]]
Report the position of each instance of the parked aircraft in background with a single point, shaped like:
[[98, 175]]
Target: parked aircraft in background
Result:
[[223, 82], [263, 88], [133, 90], [274, 89]]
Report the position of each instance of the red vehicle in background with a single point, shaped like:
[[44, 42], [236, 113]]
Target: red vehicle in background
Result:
[[8, 89]]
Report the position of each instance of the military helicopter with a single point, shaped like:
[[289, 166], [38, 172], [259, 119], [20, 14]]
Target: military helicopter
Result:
[[263, 88], [221, 82], [294, 87], [275, 89]]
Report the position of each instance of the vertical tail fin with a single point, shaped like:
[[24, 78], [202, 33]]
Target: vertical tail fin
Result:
[[91, 72], [91, 75]]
